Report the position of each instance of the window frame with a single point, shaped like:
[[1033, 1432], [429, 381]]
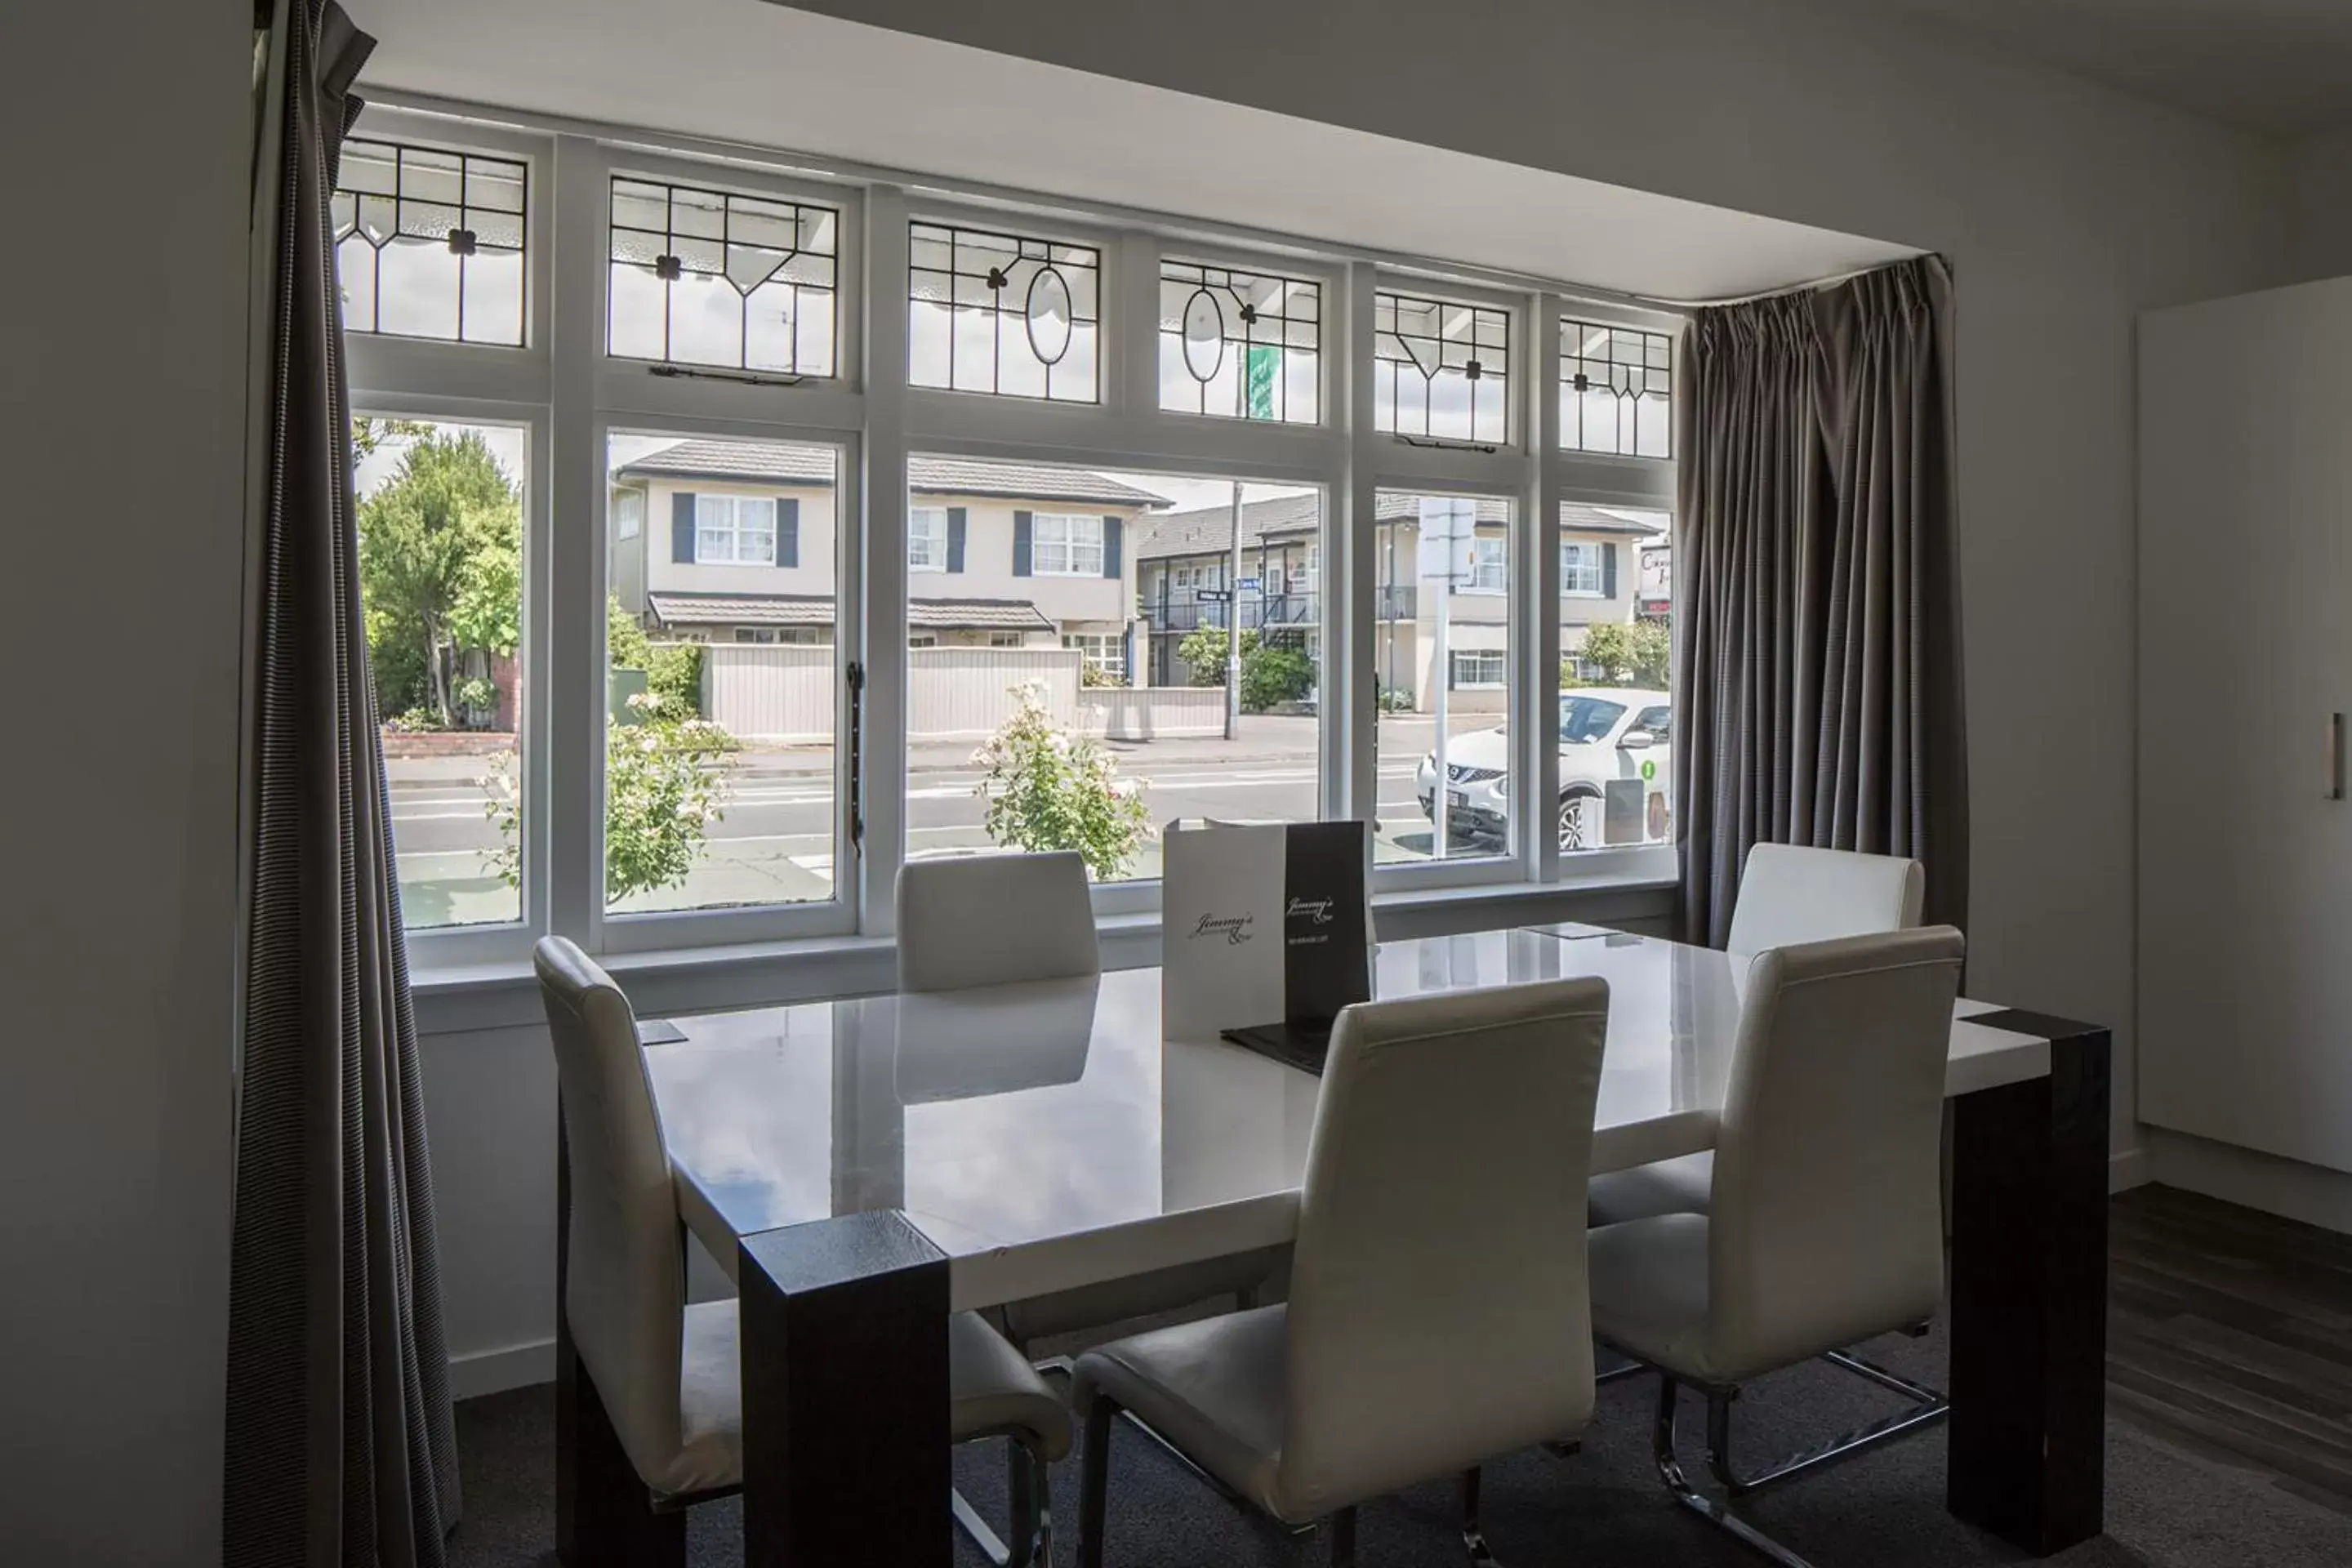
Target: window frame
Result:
[[1568, 590], [925, 536], [1070, 544], [734, 531], [573, 392]]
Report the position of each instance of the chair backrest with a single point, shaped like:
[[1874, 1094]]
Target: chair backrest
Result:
[[1439, 1310], [1790, 893], [1826, 1221], [625, 1292], [993, 919]]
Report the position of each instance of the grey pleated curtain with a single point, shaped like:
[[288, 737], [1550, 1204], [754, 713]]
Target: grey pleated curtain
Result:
[[1817, 587], [340, 1448]]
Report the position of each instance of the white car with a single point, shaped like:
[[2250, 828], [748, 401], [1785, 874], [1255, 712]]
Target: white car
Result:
[[1606, 732]]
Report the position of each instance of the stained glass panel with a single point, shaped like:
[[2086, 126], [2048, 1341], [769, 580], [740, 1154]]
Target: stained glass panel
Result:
[[430, 244]]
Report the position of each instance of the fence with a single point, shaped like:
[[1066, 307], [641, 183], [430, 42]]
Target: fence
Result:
[[788, 693]]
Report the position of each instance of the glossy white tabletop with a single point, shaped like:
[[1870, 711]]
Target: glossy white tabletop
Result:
[[1045, 1136]]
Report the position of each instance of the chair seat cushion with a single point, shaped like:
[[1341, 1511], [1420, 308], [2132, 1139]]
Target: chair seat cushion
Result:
[[1649, 1294], [1214, 1388], [992, 1392], [1644, 1192]]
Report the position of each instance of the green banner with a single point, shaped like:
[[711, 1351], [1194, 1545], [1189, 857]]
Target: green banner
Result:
[[1264, 365]]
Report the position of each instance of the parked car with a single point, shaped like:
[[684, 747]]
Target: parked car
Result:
[[1605, 733]]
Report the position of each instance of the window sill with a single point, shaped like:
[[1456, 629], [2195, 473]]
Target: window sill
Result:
[[460, 998]]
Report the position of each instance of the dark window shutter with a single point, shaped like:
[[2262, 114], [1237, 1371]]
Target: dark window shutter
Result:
[[1112, 530], [1021, 545], [681, 526], [955, 538], [1609, 571], [788, 532]]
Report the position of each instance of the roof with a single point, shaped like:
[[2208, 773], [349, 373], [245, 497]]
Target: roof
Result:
[[1208, 531], [817, 610], [778, 463]]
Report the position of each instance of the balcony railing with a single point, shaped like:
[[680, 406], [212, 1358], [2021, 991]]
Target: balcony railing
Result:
[[1179, 612]]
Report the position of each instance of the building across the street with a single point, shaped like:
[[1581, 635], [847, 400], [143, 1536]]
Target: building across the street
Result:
[[1613, 568], [735, 542]]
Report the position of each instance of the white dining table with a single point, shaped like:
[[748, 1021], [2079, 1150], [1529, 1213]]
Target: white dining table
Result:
[[861, 1167]]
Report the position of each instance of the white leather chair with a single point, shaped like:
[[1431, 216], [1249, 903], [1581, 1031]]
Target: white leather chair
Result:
[[1424, 1332], [668, 1375], [1827, 1219], [1789, 893], [993, 919]]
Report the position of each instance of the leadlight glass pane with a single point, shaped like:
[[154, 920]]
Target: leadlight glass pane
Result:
[[1440, 369], [404, 204], [1616, 390], [1003, 313], [1236, 344], [750, 283]]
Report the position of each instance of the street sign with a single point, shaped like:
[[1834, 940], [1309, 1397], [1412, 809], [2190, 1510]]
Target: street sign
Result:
[[1212, 595], [1249, 585]]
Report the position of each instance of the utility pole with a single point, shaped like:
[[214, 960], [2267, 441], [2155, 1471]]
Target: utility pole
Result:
[[1234, 628]]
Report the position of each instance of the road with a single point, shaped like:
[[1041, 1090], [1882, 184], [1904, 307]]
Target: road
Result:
[[774, 843]]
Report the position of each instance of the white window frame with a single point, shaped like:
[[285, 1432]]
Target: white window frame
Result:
[[926, 547], [1106, 651], [1581, 559], [732, 529], [572, 393], [1489, 565], [1070, 544], [1500, 658]]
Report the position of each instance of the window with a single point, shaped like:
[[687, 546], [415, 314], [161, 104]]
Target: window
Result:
[[1584, 720], [445, 649], [1105, 653], [1441, 657], [722, 780], [922, 639], [1065, 546], [1579, 568], [1006, 639], [1002, 313], [707, 278], [735, 530], [628, 514], [1440, 369], [1616, 385], [1488, 570], [927, 539], [1478, 668], [1242, 345], [429, 244], [1657, 723]]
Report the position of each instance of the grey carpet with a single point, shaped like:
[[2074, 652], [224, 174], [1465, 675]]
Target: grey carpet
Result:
[[2166, 1508]]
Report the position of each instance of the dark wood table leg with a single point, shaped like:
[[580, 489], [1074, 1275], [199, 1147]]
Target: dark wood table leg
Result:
[[844, 1395], [2028, 1287]]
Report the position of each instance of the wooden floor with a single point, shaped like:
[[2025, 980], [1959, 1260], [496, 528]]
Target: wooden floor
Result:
[[2230, 1334]]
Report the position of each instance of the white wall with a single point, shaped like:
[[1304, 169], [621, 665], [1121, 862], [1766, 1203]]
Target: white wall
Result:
[[2065, 209], [2320, 168], [119, 838]]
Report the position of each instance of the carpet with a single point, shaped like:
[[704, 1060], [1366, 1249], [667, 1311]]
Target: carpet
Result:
[[2165, 1507]]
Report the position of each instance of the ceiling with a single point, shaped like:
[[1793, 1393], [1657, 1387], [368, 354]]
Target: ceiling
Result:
[[2284, 67], [895, 99]]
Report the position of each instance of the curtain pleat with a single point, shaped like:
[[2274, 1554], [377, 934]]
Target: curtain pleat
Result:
[[339, 1446], [1816, 591]]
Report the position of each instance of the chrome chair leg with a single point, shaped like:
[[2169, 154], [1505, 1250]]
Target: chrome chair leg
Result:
[[1473, 1537], [991, 1545], [1927, 1407], [1670, 1472]]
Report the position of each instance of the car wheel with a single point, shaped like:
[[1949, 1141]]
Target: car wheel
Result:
[[1578, 827]]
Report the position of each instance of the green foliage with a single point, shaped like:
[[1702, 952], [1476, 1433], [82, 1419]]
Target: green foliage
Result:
[[1203, 654], [666, 781], [673, 670], [1272, 675], [1095, 677], [626, 647], [1049, 790], [440, 566], [415, 721], [370, 431], [1634, 653], [1395, 699], [477, 693]]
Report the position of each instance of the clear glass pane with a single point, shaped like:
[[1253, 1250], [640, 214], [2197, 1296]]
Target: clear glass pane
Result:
[[770, 337], [416, 288], [355, 276], [427, 176], [371, 166], [493, 303], [1442, 654], [705, 321], [636, 204], [444, 651], [494, 186], [723, 674], [1616, 756], [638, 303], [1115, 685]]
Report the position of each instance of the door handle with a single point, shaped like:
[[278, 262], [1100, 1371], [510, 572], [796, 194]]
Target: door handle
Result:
[[2335, 756]]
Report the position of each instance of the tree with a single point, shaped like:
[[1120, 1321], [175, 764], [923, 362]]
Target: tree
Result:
[[1270, 673], [1203, 654], [440, 568], [1049, 790], [1632, 653]]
